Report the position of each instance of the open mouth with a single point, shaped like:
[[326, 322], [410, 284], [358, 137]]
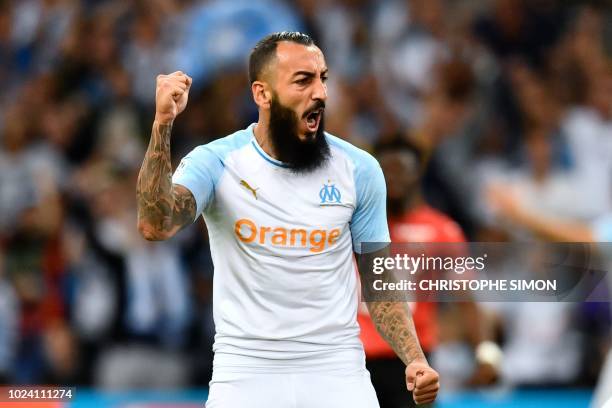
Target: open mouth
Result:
[[313, 119]]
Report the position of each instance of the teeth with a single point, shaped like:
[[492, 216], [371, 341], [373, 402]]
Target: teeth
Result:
[[314, 113], [311, 118]]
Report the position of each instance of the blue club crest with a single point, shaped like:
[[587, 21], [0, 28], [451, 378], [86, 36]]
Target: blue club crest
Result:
[[329, 194]]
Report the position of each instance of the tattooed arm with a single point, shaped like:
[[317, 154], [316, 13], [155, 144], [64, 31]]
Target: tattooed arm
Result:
[[164, 208], [393, 320]]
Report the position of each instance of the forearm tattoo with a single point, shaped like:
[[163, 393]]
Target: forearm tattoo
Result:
[[163, 208], [393, 321]]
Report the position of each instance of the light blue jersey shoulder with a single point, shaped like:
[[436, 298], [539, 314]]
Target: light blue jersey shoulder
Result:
[[201, 169], [369, 221]]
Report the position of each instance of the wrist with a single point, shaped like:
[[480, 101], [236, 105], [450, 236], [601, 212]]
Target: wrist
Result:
[[420, 361], [163, 119]]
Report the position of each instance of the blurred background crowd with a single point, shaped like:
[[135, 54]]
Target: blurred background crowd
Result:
[[507, 103]]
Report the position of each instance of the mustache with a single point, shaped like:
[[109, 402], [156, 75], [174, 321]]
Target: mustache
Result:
[[315, 106], [302, 157]]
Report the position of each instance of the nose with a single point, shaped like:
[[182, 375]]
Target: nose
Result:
[[320, 90]]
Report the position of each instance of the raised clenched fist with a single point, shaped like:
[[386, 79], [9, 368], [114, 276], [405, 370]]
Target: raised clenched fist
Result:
[[171, 96], [423, 381]]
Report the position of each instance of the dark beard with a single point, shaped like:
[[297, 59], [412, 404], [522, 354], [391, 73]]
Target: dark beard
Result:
[[300, 156]]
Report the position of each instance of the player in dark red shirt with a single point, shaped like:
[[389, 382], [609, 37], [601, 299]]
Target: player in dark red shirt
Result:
[[410, 219]]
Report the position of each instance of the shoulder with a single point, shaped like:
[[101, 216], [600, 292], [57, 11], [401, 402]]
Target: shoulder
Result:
[[362, 161], [368, 177], [448, 227], [220, 148]]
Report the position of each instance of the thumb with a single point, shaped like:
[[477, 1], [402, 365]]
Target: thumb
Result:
[[410, 384], [177, 94], [411, 378]]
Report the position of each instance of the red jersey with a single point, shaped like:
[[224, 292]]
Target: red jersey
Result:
[[421, 224]]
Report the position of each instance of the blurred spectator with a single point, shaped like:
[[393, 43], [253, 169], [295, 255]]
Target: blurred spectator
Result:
[[443, 329], [148, 53], [410, 41], [596, 340], [542, 346], [219, 34], [8, 325], [519, 28], [30, 172], [446, 135]]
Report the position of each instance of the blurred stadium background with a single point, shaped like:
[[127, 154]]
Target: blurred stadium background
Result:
[[508, 101]]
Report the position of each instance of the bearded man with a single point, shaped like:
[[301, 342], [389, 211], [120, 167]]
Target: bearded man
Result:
[[286, 205]]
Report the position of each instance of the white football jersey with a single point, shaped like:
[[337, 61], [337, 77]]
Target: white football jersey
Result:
[[285, 288]]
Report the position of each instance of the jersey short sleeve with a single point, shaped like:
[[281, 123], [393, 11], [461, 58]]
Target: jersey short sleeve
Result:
[[198, 172], [369, 221], [202, 168]]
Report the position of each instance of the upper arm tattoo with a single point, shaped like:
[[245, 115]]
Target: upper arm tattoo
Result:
[[163, 206], [184, 209]]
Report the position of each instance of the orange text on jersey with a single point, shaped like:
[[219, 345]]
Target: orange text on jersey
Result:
[[247, 231]]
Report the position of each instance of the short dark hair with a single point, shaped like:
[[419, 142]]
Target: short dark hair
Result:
[[265, 50], [401, 143]]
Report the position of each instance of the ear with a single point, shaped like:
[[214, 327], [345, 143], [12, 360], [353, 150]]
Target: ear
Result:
[[262, 94]]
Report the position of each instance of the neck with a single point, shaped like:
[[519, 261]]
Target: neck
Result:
[[263, 138], [412, 201], [400, 208]]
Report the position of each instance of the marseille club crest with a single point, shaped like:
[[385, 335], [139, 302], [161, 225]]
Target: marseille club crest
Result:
[[329, 194]]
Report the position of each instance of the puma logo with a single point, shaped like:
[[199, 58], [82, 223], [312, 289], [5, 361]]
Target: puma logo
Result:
[[248, 187]]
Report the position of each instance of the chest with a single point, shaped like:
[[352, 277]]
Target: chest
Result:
[[275, 197]]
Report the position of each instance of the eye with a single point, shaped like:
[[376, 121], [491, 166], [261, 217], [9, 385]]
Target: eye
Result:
[[324, 78], [303, 81]]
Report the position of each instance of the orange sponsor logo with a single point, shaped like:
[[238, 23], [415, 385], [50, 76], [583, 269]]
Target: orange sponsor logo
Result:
[[316, 240]]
